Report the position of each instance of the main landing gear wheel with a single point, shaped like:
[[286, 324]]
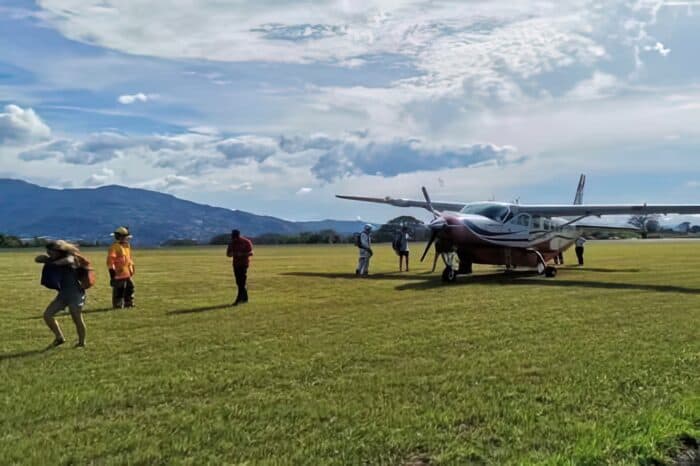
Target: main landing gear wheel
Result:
[[449, 275], [550, 272], [541, 268]]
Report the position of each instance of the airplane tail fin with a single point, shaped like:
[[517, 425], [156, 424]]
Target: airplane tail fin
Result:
[[578, 199]]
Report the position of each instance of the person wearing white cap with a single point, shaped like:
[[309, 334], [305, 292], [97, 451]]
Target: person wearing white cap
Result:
[[365, 246]]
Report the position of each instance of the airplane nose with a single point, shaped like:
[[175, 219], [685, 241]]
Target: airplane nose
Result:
[[437, 225]]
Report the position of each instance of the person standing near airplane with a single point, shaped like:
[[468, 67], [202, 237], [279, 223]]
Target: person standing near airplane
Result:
[[559, 258], [240, 249], [403, 247], [365, 246], [580, 241], [121, 269]]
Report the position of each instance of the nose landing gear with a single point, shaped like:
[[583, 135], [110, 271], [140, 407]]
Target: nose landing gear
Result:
[[542, 267], [449, 275], [455, 264]]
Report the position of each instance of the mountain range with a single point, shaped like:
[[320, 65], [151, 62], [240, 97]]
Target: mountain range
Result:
[[90, 214]]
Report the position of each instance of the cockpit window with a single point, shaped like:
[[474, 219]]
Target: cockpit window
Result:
[[497, 212]]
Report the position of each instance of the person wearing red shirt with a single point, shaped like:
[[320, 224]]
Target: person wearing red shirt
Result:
[[240, 249]]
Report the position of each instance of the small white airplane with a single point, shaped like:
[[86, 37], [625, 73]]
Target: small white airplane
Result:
[[511, 234]]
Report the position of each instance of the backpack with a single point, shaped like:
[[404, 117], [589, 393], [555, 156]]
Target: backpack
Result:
[[396, 243], [357, 239], [85, 273], [51, 276]]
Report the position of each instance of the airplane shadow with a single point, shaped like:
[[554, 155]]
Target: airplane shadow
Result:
[[199, 309], [424, 282], [574, 268], [532, 278]]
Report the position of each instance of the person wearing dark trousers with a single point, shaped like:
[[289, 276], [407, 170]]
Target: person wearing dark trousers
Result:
[[559, 258], [403, 247], [240, 249], [121, 269], [579, 249]]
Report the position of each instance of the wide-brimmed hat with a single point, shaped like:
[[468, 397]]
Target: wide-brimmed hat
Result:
[[61, 245], [122, 231]]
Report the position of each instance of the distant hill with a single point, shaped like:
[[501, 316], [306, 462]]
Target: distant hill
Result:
[[28, 210]]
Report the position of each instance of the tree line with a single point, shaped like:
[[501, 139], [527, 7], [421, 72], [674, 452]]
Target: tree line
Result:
[[12, 241]]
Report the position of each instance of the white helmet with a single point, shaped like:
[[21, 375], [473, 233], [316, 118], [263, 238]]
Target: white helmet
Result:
[[368, 227]]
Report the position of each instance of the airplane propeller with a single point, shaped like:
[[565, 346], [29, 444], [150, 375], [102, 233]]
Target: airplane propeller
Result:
[[437, 225]]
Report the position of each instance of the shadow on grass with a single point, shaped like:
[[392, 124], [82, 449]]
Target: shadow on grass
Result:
[[84, 311], [24, 354], [575, 268], [399, 276], [534, 279], [424, 282], [199, 309]]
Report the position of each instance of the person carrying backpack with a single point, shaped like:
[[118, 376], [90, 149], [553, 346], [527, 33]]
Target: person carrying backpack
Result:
[[364, 243], [121, 269], [401, 246], [65, 271]]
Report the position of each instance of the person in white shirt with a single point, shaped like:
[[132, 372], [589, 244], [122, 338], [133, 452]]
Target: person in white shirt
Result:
[[366, 253], [403, 247], [580, 241]]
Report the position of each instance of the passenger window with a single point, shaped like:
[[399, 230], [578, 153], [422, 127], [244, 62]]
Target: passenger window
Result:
[[547, 224], [536, 222], [523, 219]]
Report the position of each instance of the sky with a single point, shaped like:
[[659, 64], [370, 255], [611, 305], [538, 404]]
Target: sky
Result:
[[274, 107]]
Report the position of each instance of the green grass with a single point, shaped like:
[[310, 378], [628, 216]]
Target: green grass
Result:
[[600, 365]]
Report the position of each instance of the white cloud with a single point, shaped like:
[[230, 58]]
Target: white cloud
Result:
[[600, 85], [245, 186], [100, 178], [388, 159], [18, 125], [303, 191], [99, 148], [127, 99], [246, 148], [168, 183], [453, 45], [658, 47]]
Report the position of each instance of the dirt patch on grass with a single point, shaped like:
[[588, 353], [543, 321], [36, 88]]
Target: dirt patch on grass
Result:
[[418, 459], [689, 455]]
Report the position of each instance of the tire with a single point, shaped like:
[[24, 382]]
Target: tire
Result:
[[550, 272], [449, 275]]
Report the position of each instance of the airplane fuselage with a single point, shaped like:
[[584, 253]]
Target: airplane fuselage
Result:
[[494, 233]]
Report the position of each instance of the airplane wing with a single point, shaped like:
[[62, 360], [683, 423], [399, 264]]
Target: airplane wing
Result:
[[449, 206], [592, 210]]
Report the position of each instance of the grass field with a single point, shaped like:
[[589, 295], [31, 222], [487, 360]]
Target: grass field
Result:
[[600, 365]]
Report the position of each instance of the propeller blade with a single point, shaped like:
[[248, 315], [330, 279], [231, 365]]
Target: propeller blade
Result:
[[429, 202], [433, 235], [437, 255]]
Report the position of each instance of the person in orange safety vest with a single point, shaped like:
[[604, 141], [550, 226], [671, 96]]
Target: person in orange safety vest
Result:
[[121, 269]]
